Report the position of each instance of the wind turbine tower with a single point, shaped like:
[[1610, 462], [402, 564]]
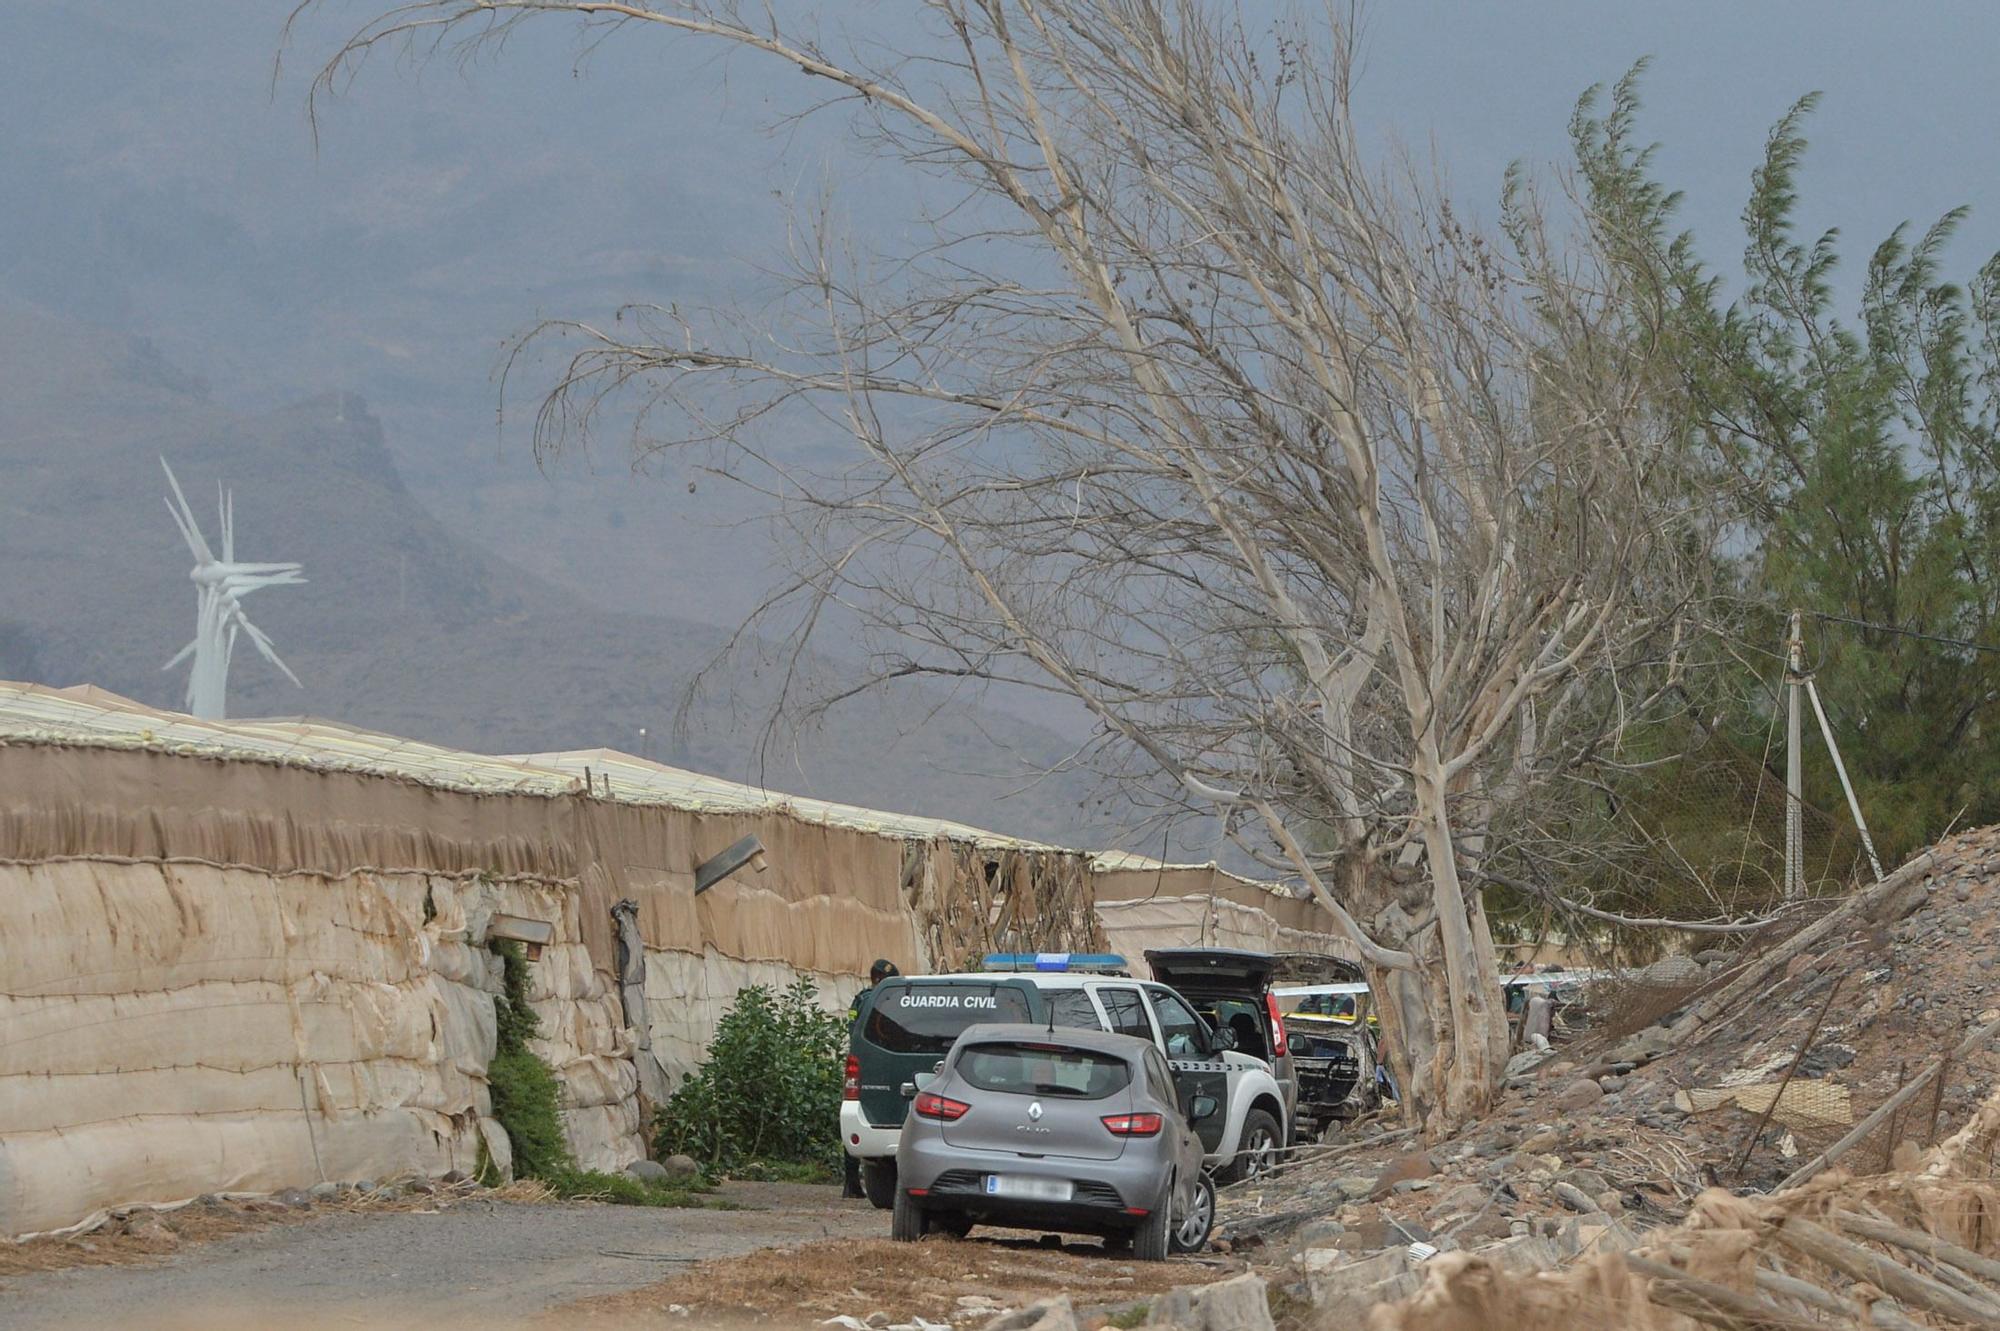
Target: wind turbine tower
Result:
[[220, 585]]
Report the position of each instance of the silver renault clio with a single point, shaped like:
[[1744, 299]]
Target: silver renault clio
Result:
[[1028, 1127]]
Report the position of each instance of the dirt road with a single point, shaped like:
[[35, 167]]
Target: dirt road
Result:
[[477, 1263]]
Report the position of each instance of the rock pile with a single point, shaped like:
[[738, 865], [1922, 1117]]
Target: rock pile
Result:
[[1242, 1303], [1780, 1046]]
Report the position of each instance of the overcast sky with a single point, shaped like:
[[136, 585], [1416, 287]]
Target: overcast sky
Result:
[[158, 183]]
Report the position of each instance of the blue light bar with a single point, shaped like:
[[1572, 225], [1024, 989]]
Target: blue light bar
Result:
[[1108, 962]]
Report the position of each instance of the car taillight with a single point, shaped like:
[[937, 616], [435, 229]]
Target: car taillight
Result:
[[932, 1105], [1280, 1046], [1133, 1125], [850, 1089]]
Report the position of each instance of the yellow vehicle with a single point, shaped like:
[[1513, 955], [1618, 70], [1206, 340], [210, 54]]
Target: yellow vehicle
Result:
[[1341, 1008]]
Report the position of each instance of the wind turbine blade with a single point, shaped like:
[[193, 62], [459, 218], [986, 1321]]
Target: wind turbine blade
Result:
[[182, 655], [263, 644], [196, 546], [184, 517], [225, 505]]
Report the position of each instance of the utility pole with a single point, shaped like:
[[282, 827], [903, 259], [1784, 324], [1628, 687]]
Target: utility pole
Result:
[[1795, 670]]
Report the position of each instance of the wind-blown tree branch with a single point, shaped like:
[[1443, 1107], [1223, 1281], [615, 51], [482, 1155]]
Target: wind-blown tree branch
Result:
[[1341, 514]]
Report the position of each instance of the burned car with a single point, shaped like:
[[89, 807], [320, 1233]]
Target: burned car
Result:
[[1334, 1048]]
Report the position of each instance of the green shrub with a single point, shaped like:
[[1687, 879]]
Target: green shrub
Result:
[[527, 1102], [769, 1090], [527, 1098]]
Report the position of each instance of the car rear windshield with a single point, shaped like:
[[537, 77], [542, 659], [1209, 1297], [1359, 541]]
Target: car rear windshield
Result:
[[1044, 1069], [928, 1018]]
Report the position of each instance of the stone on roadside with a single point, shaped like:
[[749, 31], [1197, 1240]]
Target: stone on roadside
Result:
[[149, 1227], [1462, 1200], [1579, 1095], [1403, 1169], [1592, 1234], [681, 1168], [323, 1192], [1588, 1181], [1240, 1303], [1575, 1198], [1344, 1287], [1056, 1314], [296, 1198], [647, 1171], [1487, 1228], [1374, 1235], [1521, 1253], [1647, 1045], [1316, 1233]]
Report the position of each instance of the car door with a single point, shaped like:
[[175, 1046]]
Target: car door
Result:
[[1124, 1011], [1184, 1038]]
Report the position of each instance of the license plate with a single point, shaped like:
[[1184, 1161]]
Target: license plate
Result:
[[1034, 1189]]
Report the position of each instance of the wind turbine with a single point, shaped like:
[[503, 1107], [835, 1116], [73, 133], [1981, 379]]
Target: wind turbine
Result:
[[220, 585]]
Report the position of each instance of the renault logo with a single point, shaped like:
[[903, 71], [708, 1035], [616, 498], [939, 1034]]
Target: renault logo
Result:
[[1035, 1111]]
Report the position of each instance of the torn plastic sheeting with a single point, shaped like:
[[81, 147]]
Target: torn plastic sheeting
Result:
[[600, 1136], [89, 929], [687, 995], [1805, 1104]]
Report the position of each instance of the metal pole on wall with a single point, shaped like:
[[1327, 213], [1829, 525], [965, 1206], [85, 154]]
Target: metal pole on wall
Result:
[[1840, 768], [1795, 665]]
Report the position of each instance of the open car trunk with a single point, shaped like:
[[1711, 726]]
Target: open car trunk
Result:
[[1214, 970]]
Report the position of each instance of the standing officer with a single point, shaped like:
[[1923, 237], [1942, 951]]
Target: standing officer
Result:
[[850, 1168]]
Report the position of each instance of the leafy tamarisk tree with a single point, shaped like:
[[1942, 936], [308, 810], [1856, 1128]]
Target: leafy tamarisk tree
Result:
[[1865, 449], [1349, 518]]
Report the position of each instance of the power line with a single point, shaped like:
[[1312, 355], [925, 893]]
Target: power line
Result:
[[1902, 632]]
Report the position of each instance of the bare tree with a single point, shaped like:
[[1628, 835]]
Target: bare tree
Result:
[[1350, 518]]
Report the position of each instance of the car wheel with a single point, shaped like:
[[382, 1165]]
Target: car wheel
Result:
[[1259, 1150], [908, 1222], [1191, 1233], [878, 1180], [1151, 1239]]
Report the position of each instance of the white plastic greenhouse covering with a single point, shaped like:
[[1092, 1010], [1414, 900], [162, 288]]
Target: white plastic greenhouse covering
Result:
[[240, 956]]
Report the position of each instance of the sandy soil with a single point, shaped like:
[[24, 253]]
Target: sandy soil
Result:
[[797, 1290]]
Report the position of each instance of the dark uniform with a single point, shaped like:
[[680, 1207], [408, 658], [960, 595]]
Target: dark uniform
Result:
[[850, 1168]]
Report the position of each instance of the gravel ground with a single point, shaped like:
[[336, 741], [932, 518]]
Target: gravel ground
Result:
[[477, 1263]]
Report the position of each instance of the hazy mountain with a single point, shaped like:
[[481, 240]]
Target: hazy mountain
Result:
[[403, 626]]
